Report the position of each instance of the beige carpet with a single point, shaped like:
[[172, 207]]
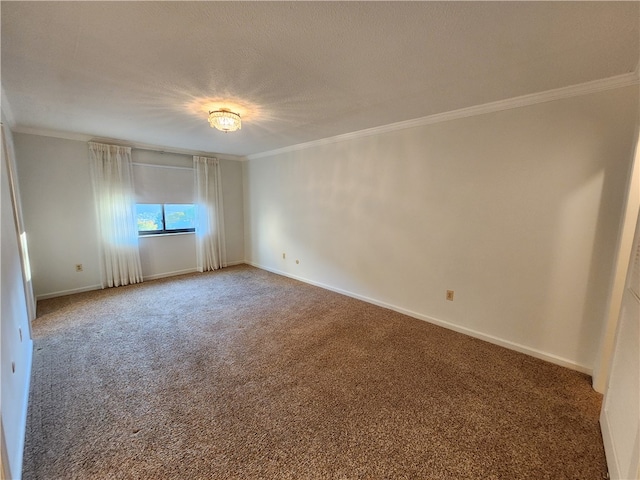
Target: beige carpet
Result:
[[243, 374]]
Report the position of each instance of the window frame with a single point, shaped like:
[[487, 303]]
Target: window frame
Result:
[[164, 231]]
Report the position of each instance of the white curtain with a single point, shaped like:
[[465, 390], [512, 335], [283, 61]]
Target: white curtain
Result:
[[210, 241], [112, 176]]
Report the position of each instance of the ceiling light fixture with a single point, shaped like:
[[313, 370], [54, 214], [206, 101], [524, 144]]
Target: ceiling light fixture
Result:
[[225, 120]]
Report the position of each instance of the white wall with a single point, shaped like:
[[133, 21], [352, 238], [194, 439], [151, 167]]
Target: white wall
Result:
[[57, 199], [517, 211], [233, 198], [16, 343], [58, 209]]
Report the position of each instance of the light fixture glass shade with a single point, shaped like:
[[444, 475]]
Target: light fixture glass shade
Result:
[[225, 120]]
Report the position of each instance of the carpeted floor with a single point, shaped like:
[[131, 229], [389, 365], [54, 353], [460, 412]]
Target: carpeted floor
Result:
[[243, 374]]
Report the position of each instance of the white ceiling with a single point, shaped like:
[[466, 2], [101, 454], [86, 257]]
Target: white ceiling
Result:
[[146, 72]]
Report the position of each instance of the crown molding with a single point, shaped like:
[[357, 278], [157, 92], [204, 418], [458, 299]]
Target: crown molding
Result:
[[595, 86], [620, 81], [81, 137], [45, 132]]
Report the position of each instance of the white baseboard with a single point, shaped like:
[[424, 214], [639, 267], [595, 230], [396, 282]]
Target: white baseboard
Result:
[[549, 357], [89, 288], [62, 293], [169, 274], [232, 264], [185, 271]]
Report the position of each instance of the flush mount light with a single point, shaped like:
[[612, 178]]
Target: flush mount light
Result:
[[225, 120]]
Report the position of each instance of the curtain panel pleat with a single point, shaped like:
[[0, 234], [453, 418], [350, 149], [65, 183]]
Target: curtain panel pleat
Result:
[[210, 237], [112, 178]]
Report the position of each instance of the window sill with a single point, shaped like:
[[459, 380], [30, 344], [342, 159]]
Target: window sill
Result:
[[155, 235]]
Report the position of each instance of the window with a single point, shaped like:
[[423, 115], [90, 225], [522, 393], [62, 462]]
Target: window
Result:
[[158, 218]]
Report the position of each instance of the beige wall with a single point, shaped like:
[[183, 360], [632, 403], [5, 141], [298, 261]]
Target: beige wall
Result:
[[516, 211]]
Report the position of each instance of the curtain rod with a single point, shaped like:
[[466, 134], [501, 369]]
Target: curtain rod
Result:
[[160, 150], [138, 164], [153, 148]]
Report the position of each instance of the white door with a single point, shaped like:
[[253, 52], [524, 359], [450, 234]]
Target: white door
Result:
[[620, 416]]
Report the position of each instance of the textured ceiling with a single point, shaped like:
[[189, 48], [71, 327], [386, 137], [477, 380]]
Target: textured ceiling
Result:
[[147, 72]]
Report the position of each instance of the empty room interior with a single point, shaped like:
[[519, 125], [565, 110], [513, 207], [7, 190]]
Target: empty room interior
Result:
[[323, 240]]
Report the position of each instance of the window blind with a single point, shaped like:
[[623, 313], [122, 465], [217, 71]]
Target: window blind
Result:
[[162, 184]]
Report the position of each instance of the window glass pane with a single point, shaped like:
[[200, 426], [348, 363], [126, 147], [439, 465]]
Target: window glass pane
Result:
[[149, 216], [179, 216]]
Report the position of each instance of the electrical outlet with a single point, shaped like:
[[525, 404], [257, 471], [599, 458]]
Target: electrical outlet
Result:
[[78, 267], [450, 295]]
